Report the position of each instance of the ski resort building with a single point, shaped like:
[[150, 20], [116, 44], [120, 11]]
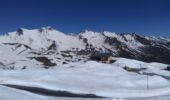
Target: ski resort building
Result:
[[102, 57]]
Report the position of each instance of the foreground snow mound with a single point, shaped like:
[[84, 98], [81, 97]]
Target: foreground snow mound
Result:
[[106, 80]]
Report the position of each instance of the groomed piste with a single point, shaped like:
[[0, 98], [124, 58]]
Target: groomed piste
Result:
[[101, 80]]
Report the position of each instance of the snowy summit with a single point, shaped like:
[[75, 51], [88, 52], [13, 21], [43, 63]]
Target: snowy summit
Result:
[[25, 48]]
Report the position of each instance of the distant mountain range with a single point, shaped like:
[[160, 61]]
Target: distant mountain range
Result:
[[49, 47]]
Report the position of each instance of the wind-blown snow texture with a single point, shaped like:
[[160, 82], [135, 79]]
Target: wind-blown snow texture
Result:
[[49, 47], [105, 80]]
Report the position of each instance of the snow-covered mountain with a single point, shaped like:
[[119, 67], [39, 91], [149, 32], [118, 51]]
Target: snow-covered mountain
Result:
[[49, 47]]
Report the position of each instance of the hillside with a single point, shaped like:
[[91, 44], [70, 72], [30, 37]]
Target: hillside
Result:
[[47, 47]]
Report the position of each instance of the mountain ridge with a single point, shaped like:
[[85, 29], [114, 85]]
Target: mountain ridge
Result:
[[57, 47]]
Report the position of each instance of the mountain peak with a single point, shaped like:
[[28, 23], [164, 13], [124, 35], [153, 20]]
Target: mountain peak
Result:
[[86, 31], [47, 41], [50, 28]]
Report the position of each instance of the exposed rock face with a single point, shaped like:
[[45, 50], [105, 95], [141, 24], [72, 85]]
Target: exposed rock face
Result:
[[45, 61], [20, 31], [53, 46]]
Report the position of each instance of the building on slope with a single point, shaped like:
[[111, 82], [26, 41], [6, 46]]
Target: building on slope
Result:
[[102, 57]]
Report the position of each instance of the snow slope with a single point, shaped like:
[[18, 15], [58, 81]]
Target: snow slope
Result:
[[40, 39], [105, 80], [14, 94]]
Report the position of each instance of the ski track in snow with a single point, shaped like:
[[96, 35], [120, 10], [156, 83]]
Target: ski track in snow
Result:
[[105, 80]]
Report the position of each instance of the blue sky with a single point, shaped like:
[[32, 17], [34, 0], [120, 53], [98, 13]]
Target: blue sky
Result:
[[146, 17]]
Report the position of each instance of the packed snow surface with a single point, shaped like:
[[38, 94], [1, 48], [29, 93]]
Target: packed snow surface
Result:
[[106, 80]]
